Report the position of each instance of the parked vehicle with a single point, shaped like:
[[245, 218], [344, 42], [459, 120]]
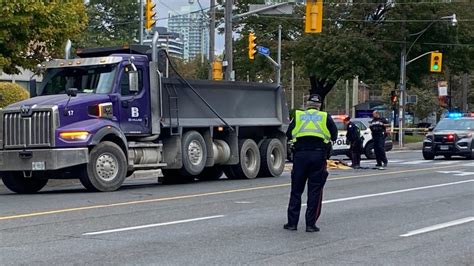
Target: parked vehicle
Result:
[[109, 112], [453, 135]]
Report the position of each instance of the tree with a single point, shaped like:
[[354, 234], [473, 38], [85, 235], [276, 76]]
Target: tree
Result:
[[31, 31], [111, 23], [362, 39]]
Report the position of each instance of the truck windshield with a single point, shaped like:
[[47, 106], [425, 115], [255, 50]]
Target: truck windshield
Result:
[[455, 124], [86, 79]]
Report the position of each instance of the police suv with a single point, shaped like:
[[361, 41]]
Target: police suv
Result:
[[453, 135], [340, 146]]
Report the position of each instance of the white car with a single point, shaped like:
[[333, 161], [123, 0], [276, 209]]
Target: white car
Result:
[[340, 146]]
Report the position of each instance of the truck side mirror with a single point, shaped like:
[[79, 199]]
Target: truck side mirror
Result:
[[71, 92], [32, 86], [133, 81]]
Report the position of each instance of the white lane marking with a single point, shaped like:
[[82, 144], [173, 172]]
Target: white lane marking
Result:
[[439, 226], [456, 173], [151, 225], [244, 202], [469, 164], [394, 192], [416, 162], [445, 163]]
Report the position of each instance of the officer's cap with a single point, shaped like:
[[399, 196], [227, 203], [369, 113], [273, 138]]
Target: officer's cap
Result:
[[315, 98]]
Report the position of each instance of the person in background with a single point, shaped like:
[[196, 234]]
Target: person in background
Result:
[[378, 126], [354, 140], [313, 131]]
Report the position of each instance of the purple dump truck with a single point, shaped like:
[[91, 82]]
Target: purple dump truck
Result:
[[109, 111]]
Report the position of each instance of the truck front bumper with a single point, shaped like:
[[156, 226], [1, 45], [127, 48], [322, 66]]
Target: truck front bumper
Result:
[[42, 159]]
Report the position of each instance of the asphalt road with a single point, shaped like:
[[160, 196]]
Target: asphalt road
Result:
[[413, 213]]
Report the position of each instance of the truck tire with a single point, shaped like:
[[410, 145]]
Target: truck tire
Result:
[[369, 150], [107, 168], [16, 182], [249, 160], [194, 153], [272, 158], [211, 173]]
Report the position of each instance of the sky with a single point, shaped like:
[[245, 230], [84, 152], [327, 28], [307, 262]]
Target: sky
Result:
[[163, 7]]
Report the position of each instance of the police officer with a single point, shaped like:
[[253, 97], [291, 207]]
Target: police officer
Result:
[[313, 130], [354, 140], [378, 126]]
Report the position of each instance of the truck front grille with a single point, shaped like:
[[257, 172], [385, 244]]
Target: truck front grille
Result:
[[31, 131]]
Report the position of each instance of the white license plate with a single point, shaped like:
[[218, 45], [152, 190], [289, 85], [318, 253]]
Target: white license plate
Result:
[[444, 147], [36, 166]]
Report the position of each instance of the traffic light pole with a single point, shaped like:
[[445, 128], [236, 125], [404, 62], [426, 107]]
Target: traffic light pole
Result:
[[141, 22], [228, 39], [401, 100]]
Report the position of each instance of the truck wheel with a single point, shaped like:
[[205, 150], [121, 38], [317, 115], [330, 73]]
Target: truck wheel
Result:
[[369, 150], [107, 168], [249, 163], [428, 156], [211, 173], [16, 182], [272, 158], [194, 153]]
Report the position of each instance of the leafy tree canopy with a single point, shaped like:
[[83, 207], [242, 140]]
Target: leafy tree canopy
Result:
[[363, 39], [31, 31]]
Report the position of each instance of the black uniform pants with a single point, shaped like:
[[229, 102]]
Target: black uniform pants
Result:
[[356, 150], [379, 149], [310, 167]]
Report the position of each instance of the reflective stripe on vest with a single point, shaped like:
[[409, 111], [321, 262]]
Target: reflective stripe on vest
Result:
[[311, 123]]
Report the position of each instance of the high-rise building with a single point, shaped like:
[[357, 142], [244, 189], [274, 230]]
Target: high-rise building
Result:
[[192, 24], [172, 41]]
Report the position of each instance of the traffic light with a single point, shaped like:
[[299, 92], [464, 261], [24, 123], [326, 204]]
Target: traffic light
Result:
[[314, 16], [252, 45], [436, 62], [149, 14], [393, 97], [217, 70]]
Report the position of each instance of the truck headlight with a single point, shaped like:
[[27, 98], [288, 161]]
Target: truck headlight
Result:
[[74, 135]]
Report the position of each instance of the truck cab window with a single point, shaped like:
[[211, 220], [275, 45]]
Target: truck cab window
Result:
[[124, 83], [86, 79]]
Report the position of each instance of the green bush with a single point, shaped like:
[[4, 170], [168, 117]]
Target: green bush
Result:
[[11, 93]]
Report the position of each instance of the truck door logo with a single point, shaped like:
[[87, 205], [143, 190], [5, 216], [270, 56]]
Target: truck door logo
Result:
[[135, 112]]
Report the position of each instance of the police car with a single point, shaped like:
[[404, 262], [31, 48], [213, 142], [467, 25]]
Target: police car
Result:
[[453, 135], [340, 146]]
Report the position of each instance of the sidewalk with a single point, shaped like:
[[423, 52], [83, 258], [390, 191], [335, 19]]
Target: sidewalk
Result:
[[408, 146]]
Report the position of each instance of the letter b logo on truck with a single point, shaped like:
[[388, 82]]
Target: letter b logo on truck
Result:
[[135, 112]]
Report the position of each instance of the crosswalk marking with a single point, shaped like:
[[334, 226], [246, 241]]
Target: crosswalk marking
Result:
[[415, 162], [469, 164]]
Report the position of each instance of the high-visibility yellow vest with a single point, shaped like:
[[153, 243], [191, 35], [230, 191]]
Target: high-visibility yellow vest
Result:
[[311, 123]]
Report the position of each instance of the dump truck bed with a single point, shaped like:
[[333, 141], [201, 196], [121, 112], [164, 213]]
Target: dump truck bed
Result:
[[238, 103]]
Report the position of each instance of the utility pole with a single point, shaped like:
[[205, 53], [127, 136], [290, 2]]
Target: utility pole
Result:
[[228, 39], [279, 57], [401, 99], [355, 94], [347, 97], [292, 84], [212, 35], [141, 22]]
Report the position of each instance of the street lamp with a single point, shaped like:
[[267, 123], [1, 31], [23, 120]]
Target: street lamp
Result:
[[403, 66]]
